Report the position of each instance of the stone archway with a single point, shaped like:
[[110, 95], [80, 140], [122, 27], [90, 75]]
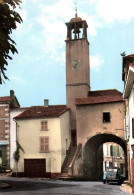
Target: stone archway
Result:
[[89, 167], [90, 151]]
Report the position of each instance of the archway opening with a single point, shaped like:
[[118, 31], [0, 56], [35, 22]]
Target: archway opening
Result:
[[113, 156], [93, 154]]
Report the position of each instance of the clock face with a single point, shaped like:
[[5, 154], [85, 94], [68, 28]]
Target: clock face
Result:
[[76, 64]]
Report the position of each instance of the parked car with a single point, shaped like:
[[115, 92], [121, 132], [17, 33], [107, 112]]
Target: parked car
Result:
[[113, 174]]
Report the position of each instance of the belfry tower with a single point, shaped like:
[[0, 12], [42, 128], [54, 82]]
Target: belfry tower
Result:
[[77, 66]]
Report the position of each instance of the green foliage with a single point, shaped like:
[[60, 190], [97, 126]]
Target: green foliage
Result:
[[8, 22], [17, 152]]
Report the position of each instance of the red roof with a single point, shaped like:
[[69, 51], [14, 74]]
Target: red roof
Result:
[[132, 65], [42, 111], [100, 97], [129, 56], [5, 99]]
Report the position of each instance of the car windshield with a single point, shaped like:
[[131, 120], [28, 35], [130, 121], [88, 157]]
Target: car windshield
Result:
[[112, 169]]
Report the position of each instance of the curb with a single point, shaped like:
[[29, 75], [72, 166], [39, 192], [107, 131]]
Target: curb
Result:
[[4, 186], [126, 188]]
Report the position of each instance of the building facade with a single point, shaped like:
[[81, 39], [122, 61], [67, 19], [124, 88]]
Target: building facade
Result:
[[44, 134], [97, 117], [7, 104], [128, 95], [13, 113]]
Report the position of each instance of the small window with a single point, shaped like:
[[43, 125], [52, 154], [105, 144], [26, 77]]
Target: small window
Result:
[[44, 144], [106, 117], [44, 126]]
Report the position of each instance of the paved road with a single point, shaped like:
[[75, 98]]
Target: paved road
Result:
[[48, 187]]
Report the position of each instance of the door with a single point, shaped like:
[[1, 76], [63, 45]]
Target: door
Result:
[[35, 167]]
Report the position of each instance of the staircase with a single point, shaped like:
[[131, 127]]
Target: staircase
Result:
[[69, 157]]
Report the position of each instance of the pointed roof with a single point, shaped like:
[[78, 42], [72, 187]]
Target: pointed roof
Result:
[[43, 112], [100, 97]]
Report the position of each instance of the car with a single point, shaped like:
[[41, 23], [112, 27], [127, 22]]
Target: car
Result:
[[113, 174]]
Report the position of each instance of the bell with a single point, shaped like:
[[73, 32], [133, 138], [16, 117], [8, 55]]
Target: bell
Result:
[[77, 30]]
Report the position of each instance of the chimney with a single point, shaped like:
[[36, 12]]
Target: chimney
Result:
[[12, 94], [46, 102]]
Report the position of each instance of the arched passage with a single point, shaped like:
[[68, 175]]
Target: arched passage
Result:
[[91, 168]]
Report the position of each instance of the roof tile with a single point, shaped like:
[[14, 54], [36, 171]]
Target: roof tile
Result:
[[5, 99], [99, 97], [42, 111]]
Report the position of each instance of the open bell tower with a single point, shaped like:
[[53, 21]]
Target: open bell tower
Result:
[[77, 66]]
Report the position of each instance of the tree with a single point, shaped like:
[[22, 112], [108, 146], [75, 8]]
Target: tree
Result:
[[8, 22]]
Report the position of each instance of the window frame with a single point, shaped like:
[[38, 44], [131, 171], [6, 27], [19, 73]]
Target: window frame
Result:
[[44, 145], [44, 125], [104, 118]]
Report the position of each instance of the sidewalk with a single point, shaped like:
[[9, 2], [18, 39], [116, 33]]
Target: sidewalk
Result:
[[125, 187], [5, 185]]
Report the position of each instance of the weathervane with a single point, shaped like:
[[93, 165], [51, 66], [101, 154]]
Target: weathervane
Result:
[[75, 9]]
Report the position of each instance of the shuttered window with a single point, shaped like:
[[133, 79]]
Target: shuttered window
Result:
[[44, 126], [115, 150], [120, 151], [132, 127], [111, 150], [44, 144]]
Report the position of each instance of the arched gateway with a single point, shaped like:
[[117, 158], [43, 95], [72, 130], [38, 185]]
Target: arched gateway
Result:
[[93, 154]]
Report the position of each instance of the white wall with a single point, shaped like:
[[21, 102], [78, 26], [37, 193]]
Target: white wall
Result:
[[65, 134], [29, 132], [13, 113], [131, 115]]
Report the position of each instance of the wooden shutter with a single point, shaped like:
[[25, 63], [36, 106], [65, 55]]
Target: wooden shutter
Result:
[[44, 144], [115, 151], [41, 144], [120, 151], [44, 126], [132, 127]]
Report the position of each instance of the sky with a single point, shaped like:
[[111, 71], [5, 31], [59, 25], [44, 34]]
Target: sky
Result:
[[38, 72]]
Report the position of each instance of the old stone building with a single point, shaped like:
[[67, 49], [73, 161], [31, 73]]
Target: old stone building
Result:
[[44, 134], [91, 117], [128, 94], [97, 117], [7, 104]]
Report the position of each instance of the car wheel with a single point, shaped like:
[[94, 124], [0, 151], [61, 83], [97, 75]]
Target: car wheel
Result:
[[104, 181]]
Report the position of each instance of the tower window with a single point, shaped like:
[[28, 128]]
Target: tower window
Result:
[[106, 117]]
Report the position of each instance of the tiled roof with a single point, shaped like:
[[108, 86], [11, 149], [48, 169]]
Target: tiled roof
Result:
[[100, 97], [42, 111], [5, 99], [132, 65], [129, 56]]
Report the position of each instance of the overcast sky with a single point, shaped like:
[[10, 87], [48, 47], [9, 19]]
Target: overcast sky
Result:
[[38, 71]]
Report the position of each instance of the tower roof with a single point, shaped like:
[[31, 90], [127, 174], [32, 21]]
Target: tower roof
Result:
[[76, 19]]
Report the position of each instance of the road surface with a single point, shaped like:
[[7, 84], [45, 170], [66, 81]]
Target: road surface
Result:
[[25, 186]]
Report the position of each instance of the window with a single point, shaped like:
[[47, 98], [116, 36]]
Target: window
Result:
[[111, 150], [120, 151], [44, 144], [44, 126], [106, 117]]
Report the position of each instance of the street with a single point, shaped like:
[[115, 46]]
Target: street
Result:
[[57, 187]]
